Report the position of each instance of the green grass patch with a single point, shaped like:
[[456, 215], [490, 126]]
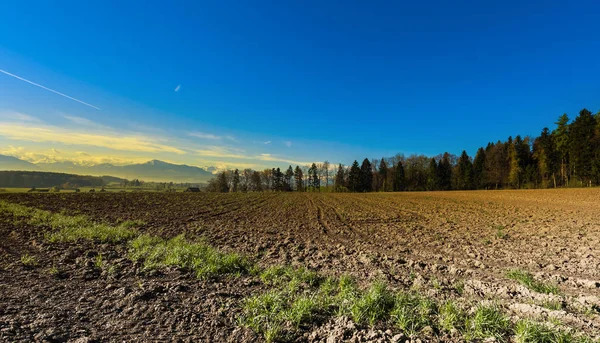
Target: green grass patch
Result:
[[451, 316], [72, 228], [293, 278], [488, 321], [29, 261], [527, 280], [372, 305], [412, 312], [101, 233], [527, 331], [554, 305], [198, 257]]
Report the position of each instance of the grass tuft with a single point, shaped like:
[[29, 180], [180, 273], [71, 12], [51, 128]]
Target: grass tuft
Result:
[[101, 233], [264, 314], [487, 321], [294, 278], [527, 280], [527, 331], [412, 312], [29, 261], [372, 305], [451, 316], [200, 258]]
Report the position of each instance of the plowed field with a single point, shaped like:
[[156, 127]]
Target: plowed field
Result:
[[448, 245]]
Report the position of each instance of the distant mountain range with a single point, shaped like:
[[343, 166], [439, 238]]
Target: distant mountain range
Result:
[[154, 170]]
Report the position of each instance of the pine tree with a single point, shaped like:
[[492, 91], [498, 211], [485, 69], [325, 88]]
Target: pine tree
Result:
[[354, 177], [561, 141], [222, 185], [547, 158], [236, 181], [465, 171], [299, 178], [289, 175], [432, 176], [315, 182], [479, 169], [399, 178], [445, 173], [581, 150], [366, 176], [340, 183]]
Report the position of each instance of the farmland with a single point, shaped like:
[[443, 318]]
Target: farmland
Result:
[[359, 264]]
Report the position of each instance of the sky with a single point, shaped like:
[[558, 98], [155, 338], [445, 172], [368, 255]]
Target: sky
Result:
[[256, 84]]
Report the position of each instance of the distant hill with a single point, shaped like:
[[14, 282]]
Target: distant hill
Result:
[[154, 170], [13, 163], [28, 179]]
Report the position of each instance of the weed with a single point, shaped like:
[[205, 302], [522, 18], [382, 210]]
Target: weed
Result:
[[98, 261], [527, 280], [554, 305], [500, 232], [487, 321], [303, 309], [412, 312], [265, 314], [294, 278], [373, 305], [29, 261], [459, 287], [54, 271], [527, 331], [451, 316]]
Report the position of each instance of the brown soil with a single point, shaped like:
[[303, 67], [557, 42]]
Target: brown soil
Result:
[[430, 240]]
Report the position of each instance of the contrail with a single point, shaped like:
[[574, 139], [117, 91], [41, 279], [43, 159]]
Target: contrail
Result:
[[48, 89]]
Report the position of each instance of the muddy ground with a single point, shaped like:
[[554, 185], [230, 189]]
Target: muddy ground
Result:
[[431, 241]]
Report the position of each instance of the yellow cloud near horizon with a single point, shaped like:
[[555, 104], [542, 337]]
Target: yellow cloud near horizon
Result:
[[40, 134]]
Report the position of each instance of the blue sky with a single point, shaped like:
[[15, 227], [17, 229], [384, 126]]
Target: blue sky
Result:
[[315, 79]]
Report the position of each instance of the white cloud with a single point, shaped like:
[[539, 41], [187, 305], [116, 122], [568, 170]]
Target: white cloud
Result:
[[267, 142], [84, 122], [288, 144], [204, 135], [17, 116], [177, 88]]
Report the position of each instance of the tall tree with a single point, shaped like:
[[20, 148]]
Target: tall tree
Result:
[[581, 149], [382, 175], [256, 181], [432, 176], [326, 166], [340, 182], [514, 175], [354, 177], [561, 140], [479, 168], [314, 178], [547, 158], [366, 176], [399, 178], [222, 183], [299, 178], [465, 171], [445, 172], [289, 175], [236, 181]]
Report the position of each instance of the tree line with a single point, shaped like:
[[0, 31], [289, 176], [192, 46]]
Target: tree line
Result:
[[27, 179], [568, 156]]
